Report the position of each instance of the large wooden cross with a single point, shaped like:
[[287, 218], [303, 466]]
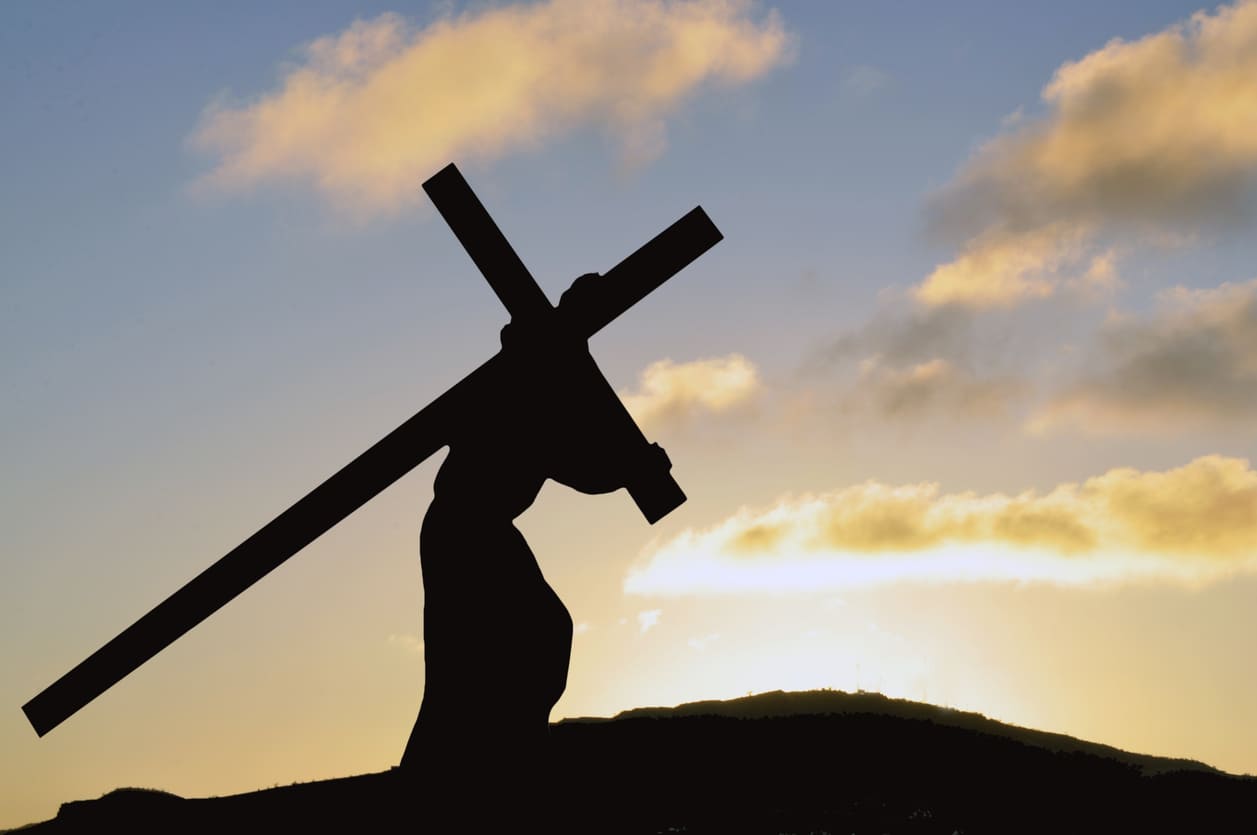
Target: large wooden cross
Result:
[[655, 492]]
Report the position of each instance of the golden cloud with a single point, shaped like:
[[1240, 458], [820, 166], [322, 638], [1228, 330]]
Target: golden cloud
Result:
[[1146, 135], [1190, 364], [998, 268], [1189, 524], [368, 114], [669, 392]]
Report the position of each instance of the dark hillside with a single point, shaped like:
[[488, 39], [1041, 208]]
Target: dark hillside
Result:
[[821, 761]]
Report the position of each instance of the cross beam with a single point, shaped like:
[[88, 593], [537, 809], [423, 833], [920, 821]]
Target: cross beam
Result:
[[398, 452]]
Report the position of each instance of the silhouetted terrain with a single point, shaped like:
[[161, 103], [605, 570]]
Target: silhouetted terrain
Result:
[[814, 762]]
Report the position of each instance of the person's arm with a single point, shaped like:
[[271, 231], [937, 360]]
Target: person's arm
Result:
[[579, 426], [608, 473]]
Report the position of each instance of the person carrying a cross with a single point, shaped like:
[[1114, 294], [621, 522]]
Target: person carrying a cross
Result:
[[497, 639]]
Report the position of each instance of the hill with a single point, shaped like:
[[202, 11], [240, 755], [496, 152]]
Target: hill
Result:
[[812, 762]]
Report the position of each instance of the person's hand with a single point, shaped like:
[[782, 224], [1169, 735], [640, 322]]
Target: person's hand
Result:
[[660, 458]]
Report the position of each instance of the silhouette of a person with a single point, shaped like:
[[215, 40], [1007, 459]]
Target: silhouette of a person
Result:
[[497, 639]]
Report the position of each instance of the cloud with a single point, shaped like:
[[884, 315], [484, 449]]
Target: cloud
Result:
[[910, 362], [1146, 137], [999, 269], [648, 619], [909, 334], [367, 114], [673, 392], [1189, 524], [936, 387], [1192, 363]]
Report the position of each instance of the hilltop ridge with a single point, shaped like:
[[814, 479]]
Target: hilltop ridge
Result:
[[782, 703], [777, 762]]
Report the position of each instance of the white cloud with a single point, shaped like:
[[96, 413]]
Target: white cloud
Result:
[[368, 114], [1189, 524], [672, 392], [999, 268], [1152, 137]]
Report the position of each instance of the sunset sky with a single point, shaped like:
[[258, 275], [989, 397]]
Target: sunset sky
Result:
[[964, 402]]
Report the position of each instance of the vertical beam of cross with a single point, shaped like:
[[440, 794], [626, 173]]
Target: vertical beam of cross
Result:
[[489, 249]]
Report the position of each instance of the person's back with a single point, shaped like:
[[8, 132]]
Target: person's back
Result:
[[496, 636]]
